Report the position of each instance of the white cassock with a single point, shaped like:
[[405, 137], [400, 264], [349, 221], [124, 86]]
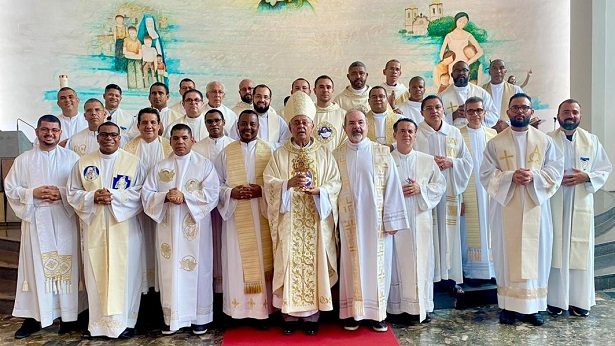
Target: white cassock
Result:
[[49, 236], [72, 125], [453, 97], [500, 94], [197, 125], [350, 99], [477, 264], [568, 286], [276, 133], [85, 142], [447, 239], [412, 110], [374, 212], [127, 123], [236, 303], [210, 148], [413, 256], [125, 206], [230, 117], [183, 236], [401, 92], [526, 296]]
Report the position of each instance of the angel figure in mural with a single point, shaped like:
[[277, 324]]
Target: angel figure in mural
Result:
[[462, 43], [148, 27], [133, 54]]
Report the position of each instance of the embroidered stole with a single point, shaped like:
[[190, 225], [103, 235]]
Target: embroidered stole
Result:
[[107, 245], [582, 207], [521, 231], [244, 223], [507, 92], [389, 120], [470, 200]]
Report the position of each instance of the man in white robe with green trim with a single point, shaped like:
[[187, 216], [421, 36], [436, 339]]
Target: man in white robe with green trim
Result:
[[521, 169], [105, 190], [586, 169], [371, 209]]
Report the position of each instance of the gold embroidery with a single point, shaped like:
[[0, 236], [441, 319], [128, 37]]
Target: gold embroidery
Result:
[[165, 250], [188, 263], [523, 293], [234, 303], [251, 304], [191, 229], [535, 156], [451, 147], [507, 157], [192, 185], [325, 132], [166, 175]]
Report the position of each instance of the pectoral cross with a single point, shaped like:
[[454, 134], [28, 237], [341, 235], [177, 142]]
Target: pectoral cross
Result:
[[452, 108], [507, 157]]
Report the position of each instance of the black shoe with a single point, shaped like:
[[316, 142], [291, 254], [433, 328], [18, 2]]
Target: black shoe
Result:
[[534, 319], [289, 327], [578, 311], [86, 335], [199, 329], [554, 311], [166, 330], [427, 318], [310, 328], [28, 327], [68, 327], [127, 334], [379, 326], [507, 317], [351, 324]]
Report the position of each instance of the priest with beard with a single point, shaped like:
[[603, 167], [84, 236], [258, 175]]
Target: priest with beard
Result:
[[521, 170], [355, 95]]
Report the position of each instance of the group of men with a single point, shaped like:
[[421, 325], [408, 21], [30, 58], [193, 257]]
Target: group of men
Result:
[[380, 190]]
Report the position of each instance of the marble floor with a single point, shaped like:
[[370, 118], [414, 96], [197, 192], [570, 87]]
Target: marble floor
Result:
[[477, 326]]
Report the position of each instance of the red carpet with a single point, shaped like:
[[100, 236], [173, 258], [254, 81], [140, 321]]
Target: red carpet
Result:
[[330, 334]]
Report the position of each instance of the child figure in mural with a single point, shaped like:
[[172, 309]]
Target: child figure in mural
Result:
[[148, 27], [133, 54], [441, 71], [119, 34], [161, 69], [457, 41], [150, 61]]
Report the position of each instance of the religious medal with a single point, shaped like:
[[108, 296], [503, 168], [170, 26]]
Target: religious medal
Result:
[[192, 185], [120, 182], [584, 163], [90, 173], [166, 175]]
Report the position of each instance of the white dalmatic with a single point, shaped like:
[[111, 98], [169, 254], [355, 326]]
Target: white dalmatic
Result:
[[413, 256], [183, 236], [48, 276], [570, 285], [446, 232]]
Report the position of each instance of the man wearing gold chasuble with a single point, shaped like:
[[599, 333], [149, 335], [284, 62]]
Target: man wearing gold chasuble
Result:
[[302, 182]]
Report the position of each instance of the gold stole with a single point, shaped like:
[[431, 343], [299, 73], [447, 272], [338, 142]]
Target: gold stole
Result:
[[133, 146], [470, 200], [507, 92], [521, 231], [244, 223], [108, 239], [389, 120], [583, 206], [349, 227]]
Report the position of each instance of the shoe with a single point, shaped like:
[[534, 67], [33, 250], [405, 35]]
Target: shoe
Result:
[[534, 319], [351, 324], [310, 328], [457, 291], [166, 330], [379, 326], [289, 327], [126, 334], [578, 311], [261, 324], [427, 318], [199, 329], [68, 327], [28, 327], [86, 335], [507, 317], [554, 310]]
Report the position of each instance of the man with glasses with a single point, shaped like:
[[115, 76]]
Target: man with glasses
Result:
[[193, 105], [245, 94], [184, 85], [214, 91], [105, 190], [521, 169], [444, 142], [455, 95], [380, 118], [36, 190], [476, 257]]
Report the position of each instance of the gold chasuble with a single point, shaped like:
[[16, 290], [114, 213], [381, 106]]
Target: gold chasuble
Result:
[[133, 146], [521, 216], [470, 201], [108, 239], [304, 245], [246, 232], [390, 119], [507, 93], [583, 204]]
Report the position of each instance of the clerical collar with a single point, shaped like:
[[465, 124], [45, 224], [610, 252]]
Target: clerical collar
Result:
[[405, 155], [362, 144], [473, 130], [497, 86], [109, 156], [212, 107], [216, 140], [359, 92], [461, 89], [183, 157], [383, 114], [71, 117], [299, 147]]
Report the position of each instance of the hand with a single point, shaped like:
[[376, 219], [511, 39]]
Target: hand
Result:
[[256, 191], [312, 190], [391, 98], [522, 176], [411, 189], [63, 143], [48, 193], [246, 191], [443, 162], [575, 178], [390, 232], [529, 73], [459, 113], [500, 126], [175, 196], [298, 180], [102, 196], [397, 111]]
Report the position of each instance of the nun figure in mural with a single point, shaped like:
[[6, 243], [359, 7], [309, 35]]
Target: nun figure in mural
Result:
[[147, 27], [463, 44]]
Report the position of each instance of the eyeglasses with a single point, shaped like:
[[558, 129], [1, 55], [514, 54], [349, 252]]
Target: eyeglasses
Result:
[[46, 130], [522, 108], [113, 135], [193, 100], [213, 121], [432, 108], [475, 111]]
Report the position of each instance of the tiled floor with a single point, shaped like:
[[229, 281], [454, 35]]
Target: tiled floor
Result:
[[477, 326]]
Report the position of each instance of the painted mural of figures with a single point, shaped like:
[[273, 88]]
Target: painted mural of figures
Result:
[[120, 32], [150, 62], [133, 55], [161, 69], [463, 44], [441, 76], [148, 27]]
